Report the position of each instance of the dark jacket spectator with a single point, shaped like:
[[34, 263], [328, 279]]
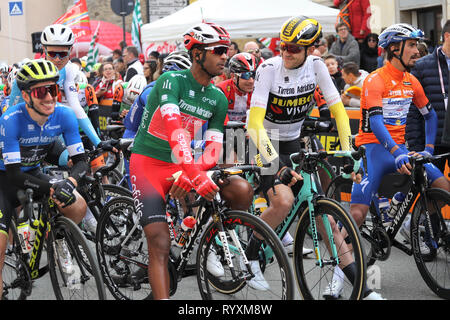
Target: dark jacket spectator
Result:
[[345, 47], [426, 71], [359, 15], [134, 66], [369, 53]]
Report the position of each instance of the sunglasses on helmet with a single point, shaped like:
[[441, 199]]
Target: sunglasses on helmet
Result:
[[247, 75], [60, 54], [291, 48], [219, 50], [41, 92]]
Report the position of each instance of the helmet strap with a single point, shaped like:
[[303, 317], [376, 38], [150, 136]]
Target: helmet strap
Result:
[[31, 105], [400, 57], [201, 63]]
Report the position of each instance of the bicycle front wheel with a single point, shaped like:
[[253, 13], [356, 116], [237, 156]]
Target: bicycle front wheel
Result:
[[235, 283], [73, 268], [431, 246], [313, 275]]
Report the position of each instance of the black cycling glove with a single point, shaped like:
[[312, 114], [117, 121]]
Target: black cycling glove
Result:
[[64, 192], [108, 145]]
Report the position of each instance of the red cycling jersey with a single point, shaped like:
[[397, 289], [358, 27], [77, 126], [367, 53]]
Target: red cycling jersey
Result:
[[238, 102]]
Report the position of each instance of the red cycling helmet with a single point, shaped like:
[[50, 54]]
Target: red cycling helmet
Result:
[[242, 62], [206, 33]]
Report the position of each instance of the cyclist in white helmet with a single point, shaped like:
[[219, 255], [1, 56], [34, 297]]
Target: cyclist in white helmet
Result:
[[57, 41]]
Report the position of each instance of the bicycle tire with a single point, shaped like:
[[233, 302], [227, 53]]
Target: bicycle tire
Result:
[[125, 280], [17, 283], [88, 279], [308, 274], [280, 279], [340, 190], [434, 267]]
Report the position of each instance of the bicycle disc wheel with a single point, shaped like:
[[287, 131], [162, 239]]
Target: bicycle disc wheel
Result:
[[123, 261], [432, 249], [312, 279], [83, 280], [273, 260], [16, 276]]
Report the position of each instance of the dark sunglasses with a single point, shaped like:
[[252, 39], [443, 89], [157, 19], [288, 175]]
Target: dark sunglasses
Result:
[[247, 75], [41, 92], [219, 50], [60, 54], [291, 48], [253, 51], [372, 40]]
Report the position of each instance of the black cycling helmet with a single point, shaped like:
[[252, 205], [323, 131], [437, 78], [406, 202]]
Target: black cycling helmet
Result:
[[36, 71]]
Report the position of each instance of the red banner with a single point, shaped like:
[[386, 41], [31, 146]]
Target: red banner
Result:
[[77, 18]]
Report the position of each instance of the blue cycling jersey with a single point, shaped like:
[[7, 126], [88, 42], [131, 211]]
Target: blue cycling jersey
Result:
[[24, 141], [67, 86]]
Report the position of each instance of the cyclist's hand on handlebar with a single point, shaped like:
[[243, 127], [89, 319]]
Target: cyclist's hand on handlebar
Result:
[[288, 176], [109, 145], [204, 186], [181, 186], [402, 164], [62, 192]]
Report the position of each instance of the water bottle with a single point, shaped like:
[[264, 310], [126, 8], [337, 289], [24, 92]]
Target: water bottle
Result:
[[186, 226], [396, 202], [260, 204], [383, 204], [27, 235]]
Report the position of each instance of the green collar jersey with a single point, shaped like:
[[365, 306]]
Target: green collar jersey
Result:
[[197, 105]]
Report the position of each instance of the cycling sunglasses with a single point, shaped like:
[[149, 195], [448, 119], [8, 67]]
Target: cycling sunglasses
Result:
[[247, 75], [60, 54], [41, 92], [291, 48], [219, 50]]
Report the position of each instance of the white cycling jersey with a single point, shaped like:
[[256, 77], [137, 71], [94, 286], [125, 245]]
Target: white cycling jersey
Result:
[[287, 94]]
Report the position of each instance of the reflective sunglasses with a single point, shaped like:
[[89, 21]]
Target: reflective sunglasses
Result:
[[253, 51], [41, 92], [247, 75], [219, 50], [291, 48], [60, 54]]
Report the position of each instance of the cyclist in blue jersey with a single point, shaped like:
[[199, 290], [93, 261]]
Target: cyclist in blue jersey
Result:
[[57, 41], [28, 133]]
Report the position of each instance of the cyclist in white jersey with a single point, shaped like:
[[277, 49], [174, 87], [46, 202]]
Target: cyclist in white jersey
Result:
[[284, 91], [57, 41]]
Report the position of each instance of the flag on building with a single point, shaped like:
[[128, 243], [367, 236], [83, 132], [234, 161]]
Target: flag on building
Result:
[[136, 26], [93, 51], [77, 18]]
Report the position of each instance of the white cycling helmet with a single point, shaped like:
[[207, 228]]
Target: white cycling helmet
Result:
[[80, 78], [57, 35], [206, 33], [177, 60], [135, 87]]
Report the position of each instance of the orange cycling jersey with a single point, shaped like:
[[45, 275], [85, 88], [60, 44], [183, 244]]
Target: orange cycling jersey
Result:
[[388, 92]]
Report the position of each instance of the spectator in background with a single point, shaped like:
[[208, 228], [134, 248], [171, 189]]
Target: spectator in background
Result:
[[352, 78], [76, 61], [432, 71], [120, 67], [333, 68], [345, 47], [253, 48], [153, 56], [234, 49], [359, 16], [369, 53], [104, 89], [122, 45], [266, 53], [149, 70], [134, 66], [330, 39], [117, 53], [159, 66]]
